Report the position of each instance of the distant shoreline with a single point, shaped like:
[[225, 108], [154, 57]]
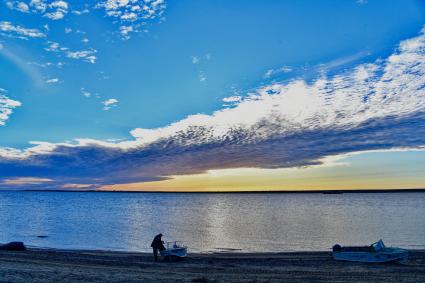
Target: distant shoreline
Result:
[[238, 192]]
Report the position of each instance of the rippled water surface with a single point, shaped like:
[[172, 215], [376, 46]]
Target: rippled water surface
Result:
[[212, 222]]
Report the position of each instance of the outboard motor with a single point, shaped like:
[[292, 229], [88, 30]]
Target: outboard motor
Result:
[[336, 248]]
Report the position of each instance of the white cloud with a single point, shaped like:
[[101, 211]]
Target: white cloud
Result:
[[53, 46], [85, 55], [8, 29], [68, 30], [195, 60], [394, 88], [232, 100], [202, 77], [268, 73], [285, 69], [6, 106], [42, 65], [85, 92], [125, 31], [77, 186], [236, 98], [18, 5], [273, 72], [59, 5], [19, 181], [47, 64], [109, 103], [38, 5], [54, 10], [52, 81], [57, 15], [81, 12], [133, 15]]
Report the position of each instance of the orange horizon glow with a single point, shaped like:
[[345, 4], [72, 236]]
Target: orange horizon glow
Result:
[[363, 171]]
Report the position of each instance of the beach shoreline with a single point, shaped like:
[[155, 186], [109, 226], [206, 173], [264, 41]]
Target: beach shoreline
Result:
[[55, 265]]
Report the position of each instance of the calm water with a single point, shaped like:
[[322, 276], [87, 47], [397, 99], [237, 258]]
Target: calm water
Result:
[[212, 222]]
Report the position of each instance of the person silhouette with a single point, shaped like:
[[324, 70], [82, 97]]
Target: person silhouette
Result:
[[157, 245]]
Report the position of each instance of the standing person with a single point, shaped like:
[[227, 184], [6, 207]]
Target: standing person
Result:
[[157, 244]]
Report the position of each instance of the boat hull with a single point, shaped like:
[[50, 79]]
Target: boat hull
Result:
[[386, 255], [175, 252]]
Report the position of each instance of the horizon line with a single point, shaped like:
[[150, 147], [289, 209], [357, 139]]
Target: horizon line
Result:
[[411, 190]]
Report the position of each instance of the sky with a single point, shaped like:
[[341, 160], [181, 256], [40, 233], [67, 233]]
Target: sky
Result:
[[212, 95]]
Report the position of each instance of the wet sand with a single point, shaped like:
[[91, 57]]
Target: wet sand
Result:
[[103, 266]]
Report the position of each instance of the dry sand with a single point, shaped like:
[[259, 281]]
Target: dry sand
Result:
[[102, 266]]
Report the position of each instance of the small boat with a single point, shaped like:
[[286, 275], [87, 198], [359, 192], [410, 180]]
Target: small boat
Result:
[[174, 249], [377, 252]]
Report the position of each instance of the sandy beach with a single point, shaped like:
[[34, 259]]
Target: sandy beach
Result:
[[37, 265]]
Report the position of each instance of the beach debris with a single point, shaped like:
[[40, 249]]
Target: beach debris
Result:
[[377, 252], [13, 246]]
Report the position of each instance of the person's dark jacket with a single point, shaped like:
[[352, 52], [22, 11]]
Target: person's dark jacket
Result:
[[157, 243]]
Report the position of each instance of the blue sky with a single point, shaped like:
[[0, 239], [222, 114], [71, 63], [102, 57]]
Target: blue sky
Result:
[[125, 71]]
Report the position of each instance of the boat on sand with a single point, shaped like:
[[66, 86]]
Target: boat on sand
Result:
[[174, 249], [377, 252]]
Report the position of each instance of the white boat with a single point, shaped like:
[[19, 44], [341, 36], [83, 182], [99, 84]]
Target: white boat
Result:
[[377, 252], [174, 249]]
